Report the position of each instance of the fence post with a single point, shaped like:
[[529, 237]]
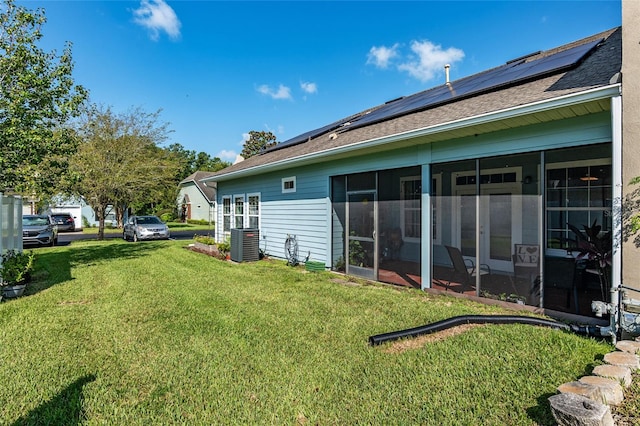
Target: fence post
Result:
[[4, 227], [10, 222]]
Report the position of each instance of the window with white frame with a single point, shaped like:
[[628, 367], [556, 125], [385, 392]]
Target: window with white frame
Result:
[[238, 211], [288, 184], [410, 220], [253, 211], [577, 193], [226, 214]]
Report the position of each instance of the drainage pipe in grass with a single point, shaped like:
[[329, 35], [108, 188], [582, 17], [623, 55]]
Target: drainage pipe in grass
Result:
[[469, 319]]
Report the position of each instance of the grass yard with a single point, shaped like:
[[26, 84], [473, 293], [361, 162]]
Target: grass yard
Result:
[[151, 333]]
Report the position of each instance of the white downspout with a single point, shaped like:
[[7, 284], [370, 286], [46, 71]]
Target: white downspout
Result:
[[616, 210]]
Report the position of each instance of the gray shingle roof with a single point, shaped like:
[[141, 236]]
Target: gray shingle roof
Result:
[[209, 192], [595, 71]]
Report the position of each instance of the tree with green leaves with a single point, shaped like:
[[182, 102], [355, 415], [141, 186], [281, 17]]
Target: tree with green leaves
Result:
[[631, 213], [119, 162], [205, 163], [38, 97], [257, 142], [189, 162], [192, 162]]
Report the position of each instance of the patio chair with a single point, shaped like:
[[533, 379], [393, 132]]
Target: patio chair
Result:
[[526, 266], [464, 270]]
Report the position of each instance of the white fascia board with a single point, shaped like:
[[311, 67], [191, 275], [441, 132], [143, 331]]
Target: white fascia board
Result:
[[532, 108]]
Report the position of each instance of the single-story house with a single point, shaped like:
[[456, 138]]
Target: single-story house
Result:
[[82, 213], [197, 199], [489, 170]]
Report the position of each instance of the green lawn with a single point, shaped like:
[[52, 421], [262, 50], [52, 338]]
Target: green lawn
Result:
[[151, 333]]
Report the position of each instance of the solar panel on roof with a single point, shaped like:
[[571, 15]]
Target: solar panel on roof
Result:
[[304, 137], [515, 71], [510, 73]]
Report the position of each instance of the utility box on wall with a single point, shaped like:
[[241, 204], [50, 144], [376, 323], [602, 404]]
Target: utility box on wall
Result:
[[244, 245]]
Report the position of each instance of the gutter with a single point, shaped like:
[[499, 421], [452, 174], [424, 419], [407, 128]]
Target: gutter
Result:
[[590, 95]]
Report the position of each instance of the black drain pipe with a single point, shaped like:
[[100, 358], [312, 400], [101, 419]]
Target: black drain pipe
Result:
[[469, 319]]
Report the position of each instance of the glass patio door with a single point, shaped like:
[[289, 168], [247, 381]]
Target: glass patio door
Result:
[[500, 224], [362, 247]]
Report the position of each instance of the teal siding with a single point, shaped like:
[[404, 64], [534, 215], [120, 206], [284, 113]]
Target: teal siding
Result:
[[302, 213], [584, 130], [307, 213]]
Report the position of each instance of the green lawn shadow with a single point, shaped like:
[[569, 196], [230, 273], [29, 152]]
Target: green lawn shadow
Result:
[[66, 408]]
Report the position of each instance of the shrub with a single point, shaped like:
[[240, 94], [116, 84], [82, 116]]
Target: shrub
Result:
[[205, 239], [224, 247], [198, 221], [16, 267], [166, 217], [162, 212]]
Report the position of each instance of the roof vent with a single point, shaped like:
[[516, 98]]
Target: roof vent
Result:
[[446, 73], [333, 136]]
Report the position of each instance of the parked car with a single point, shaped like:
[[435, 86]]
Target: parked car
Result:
[[145, 228], [64, 221], [39, 230]]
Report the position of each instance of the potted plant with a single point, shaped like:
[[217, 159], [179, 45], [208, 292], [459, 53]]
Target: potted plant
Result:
[[595, 247], [15, 272]]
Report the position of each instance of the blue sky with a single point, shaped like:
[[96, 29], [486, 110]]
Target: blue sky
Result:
[[221, 69]]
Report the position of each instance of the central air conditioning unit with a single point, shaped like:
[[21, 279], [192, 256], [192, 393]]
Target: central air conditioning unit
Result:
[[244, 245]]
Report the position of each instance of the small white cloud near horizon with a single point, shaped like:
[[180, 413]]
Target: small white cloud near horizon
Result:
[[227, 155], [157, 16], [381, 56], [424, 63], [283, 92], [309, 87]]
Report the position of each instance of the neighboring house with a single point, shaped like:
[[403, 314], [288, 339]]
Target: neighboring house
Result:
[[465, 171], [82, 212], [196, 199]]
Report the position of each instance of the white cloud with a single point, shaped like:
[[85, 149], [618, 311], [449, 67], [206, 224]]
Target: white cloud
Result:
[[283, 92], [424, 63], [157, 16], [381, 56], [227, 155], [309, 87], [429, 59]]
